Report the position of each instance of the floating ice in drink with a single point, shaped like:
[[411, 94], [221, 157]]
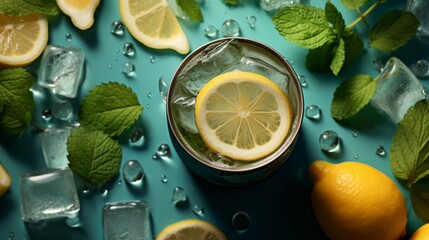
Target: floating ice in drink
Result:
[[48, 194], [127, 220], [54, 147], [420, 9], [61, 70], [272, 5], [397, 90]]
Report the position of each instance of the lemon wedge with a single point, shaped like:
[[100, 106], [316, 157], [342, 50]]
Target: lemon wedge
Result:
[[22, 39], [154, 24], [243, 115], [81, 12], [191, 229], [5, 180]]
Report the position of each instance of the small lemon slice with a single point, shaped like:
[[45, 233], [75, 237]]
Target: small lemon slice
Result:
[[243, 115], [154, 24], [81, 12], [191, 229], [5, 180], [22, 39]]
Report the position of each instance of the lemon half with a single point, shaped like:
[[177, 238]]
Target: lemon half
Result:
[[243, 115], [191, 229]]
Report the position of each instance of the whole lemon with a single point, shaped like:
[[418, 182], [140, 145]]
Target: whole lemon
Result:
[[422, 233], [352, 200]]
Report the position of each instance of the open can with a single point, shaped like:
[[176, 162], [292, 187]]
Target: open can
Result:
[[199, 67]]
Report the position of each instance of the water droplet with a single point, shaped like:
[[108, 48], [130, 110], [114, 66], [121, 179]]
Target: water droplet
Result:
[[210, 31], [69, 37], [303, 81], [230, 28], [103, 190], [152, 59], [421, 68], [381, 151], [355, 133], [147, 105], [356, 156], [119, 183], [47, 114], [63, 110], [179, 195], [241, 221], [377, 64], [133, 172], [198, 210], [163, 151], [11, 235], [149, 94], [86, 190], [128, 68], [128, 49], [117, 28], [110, 66], [73, 222], [313, 112], [251, 20], [137, 137], [329, 141], [164, 178], [163, 89]]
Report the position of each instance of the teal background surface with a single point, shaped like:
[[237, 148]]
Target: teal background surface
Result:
[[279, 206]]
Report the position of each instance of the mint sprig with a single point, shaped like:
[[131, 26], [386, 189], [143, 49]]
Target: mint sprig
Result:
[[16, 101], [25, 7], [191, 8]]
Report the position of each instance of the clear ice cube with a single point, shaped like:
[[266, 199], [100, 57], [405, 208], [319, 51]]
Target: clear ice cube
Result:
[[185, 112], [420, 9], [48, 194], [272, 5], [397, 90], [127, 220], [61, 70], [54, 147]]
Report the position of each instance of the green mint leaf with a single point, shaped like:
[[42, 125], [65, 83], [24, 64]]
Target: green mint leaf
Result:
[[352, 95], [320, 59], [191, 9], [110, 107], [231, 2], [410, 145], [16, 100], [93, 155], [353, 46], [339, 57], [334, 17], [353, 4], [304, 25], [25, 7], [419, 194], [393, 30]]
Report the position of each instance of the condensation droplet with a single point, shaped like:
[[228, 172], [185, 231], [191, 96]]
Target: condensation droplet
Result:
[[251, 20], [355, 134], [137, 137], [117, 28], [381, 151], [198, 210], [330, 141], [163, 89], [149, 94], [69, 37], [303, 81], [377, 64], [133, 172], [62, 110], [47, 114], [128, 49], [313, 112], [210, 31], [179, 195], [421, 68], [128, 68], [164, 178], [230, 28], [356, 156], [152, 59]]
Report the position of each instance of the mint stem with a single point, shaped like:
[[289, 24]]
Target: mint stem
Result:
[[363, 15]]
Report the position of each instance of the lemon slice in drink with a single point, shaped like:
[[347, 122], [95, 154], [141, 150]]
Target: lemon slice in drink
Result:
[[22, 39], [5, 180], [81, 12], [154, 24], [243, 115], [191, 229]]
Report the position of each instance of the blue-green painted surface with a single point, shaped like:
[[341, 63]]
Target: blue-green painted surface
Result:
[[279, 206]]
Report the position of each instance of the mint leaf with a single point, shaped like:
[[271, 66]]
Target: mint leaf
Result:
[[352, 95], [25, 7], [304, 25], [353, 46], [93, 155], [335, 18], [353, 4], [339, 57], [110, 107], [16, 100], [231, 2], [393, 30], [191, 8], [410, 145], [419, 194], [320, 59]]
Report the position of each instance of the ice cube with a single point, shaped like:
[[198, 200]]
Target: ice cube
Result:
[[212, 61], [127, 220], [61, 70], [397, 90], [272, 5], [48, 194], [184, 109], [54, 147], [420, 9], [251, 64]]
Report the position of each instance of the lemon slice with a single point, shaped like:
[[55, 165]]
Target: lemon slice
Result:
[[22, 39], [5, 180], [154, 24], [243, 115], [191, 229], [81, 12]]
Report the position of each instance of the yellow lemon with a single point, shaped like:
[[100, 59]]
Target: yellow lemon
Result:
[[5, 180], [153, 23], [243, 115], [422, 233], [22, 39], [81, 12], [191, 229], [353, 200]]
